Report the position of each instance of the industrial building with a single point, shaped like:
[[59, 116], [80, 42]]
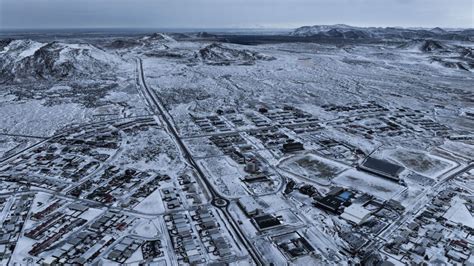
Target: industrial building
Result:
[[382, 168]]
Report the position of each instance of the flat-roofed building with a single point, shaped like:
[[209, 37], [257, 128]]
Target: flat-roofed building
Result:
[[249, 206], [382, 168], [356, 214]]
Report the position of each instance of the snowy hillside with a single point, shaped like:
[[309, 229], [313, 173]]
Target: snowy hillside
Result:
[[438, 52], [222, 55], [30, 60], [339, 30], [425, 46], [153, 41], [342, 31]]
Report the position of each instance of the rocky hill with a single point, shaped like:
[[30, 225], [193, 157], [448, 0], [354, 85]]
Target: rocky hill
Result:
[[426, 46], [218, 54], [30, 60], [155, 40], [446, 55]]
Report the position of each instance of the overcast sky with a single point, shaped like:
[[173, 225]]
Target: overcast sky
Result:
[[233, 13]]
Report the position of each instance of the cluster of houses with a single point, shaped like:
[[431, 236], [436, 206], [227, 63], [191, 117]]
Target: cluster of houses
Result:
[[211, 124], [287, 115], [86, 245], [12, 224], [184, 239], [197, 236], [211, 234], [76, 152], [232, 145], [171, 198], [337, 150], [67, 158], [144, 191], [152, 249], [54, 222], [124, 249], [257, 119], [190, 189], [359, 108], [116, 182], [435, 235], [370, 126], [273, 138], [372, 119]]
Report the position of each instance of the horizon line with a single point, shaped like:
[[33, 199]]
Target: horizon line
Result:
[[212, 28]]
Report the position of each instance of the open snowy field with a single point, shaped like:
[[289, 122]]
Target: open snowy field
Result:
[[313, 167], [225, 176], [373, 185], [422, 162]]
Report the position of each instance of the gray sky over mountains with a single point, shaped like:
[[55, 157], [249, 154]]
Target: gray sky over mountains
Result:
[[233, 13]]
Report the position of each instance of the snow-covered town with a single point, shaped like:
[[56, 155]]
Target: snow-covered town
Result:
[[326, 145]]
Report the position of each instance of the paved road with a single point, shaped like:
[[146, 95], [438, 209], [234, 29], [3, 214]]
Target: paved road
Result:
[[29, 148], [217, 199], [23, 136]]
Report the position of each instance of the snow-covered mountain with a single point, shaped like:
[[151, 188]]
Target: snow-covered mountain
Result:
[[4, 42], [446, 55], [30, 60], [319, 29], [426, 46], [438, 30], [158, 37], [204, 34], [218, 54], [155, 40], [350, 32], [449, 56]]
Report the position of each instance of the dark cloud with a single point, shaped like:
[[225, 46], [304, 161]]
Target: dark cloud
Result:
[[233, 13]]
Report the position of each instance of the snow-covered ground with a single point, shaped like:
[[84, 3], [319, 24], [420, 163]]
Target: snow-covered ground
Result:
[[421, 162], [459, 213], [379, 187], [153, 204], [313, 167], [406, 101]]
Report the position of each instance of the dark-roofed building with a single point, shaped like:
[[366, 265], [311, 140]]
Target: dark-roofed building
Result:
[[382, 168], [330, 203], [266, 221], [335, 200], [292, 147], [78, 207]]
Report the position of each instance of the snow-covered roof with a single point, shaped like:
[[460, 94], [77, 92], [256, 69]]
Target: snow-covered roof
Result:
[[249, 205], [355, 213]]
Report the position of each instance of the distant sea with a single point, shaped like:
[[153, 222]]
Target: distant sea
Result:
[[50, 34]]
